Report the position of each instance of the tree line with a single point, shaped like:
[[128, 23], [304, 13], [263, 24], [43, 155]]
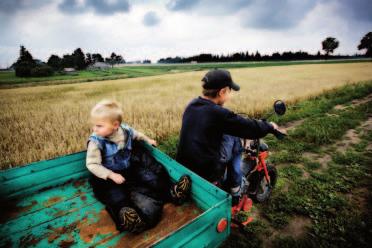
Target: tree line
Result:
[[329, 45], [27, 66]]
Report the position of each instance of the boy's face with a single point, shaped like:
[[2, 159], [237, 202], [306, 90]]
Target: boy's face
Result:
[[224, 95], [104, 127]]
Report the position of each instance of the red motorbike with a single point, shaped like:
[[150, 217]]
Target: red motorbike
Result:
[[259, 177]]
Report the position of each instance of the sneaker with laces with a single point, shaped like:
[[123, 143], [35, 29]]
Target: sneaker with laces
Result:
[[181, 190], [131, 221]]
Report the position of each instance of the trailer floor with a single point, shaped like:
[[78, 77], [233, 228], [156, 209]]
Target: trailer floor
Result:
[[69, 215]]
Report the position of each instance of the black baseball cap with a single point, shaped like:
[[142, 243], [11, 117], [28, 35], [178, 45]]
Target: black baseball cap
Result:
[[218, 79]]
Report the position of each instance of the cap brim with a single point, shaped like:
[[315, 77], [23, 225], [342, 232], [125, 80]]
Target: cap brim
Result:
[[235, 87]]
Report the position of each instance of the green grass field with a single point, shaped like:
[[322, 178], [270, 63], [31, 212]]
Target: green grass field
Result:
[[323, 195], [9, 80]]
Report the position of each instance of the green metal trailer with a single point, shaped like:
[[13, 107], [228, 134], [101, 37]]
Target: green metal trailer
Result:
[[51, 204]]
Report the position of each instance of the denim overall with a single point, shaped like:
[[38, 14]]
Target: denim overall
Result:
[[113, 158]]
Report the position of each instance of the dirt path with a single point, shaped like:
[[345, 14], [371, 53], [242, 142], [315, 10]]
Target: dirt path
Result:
[[355, 103], [293, 124], [352, 136], [298, 225]]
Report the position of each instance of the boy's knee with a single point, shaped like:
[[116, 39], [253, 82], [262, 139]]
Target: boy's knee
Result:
[[149, 208], [115, 196]]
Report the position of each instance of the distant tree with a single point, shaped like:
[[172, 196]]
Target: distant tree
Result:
[[68, 61], [26, 66], [88, 59], [146, 61], [246, 56], [24, 63], [42, 71], [257, 56], [23, 69], [114, 59], [119, 59], [97, 57], [111, 60], [25, 56], [276, 56], [79, 59], [237, 57], [329, 45], [366, 43], [113, 56], [55, 62], [287, 55], [318, 55]]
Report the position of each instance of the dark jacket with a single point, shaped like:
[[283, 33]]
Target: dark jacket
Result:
[[203, 125]]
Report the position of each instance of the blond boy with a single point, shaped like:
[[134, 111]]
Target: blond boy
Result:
[[122, 178]]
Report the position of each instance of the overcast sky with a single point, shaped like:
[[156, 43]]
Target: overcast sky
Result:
[[144, 29]]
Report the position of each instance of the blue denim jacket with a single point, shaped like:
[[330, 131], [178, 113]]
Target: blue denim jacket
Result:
[[113, 158]]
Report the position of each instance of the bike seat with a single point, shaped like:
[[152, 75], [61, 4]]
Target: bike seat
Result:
[[263, 146]]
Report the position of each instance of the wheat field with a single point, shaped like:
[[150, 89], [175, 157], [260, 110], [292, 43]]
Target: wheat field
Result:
[[48, 121]]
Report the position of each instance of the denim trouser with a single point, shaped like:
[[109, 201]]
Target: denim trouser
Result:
[[231, 155]]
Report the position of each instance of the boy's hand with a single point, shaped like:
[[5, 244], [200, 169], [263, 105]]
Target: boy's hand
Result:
[[276, 127], [117, 178], [152, 142]]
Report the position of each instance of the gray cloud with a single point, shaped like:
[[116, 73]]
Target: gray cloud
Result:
[[208, 7], [360, 10], [71, 7], [100, 7], [270, 14], [11, 6], [151, 19], [267, 14], [279, 14], [179, 5]]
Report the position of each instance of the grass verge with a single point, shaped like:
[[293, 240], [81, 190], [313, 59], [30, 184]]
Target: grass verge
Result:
[[337, 199]]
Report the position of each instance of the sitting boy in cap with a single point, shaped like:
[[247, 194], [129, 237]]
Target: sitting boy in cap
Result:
[[204, 123], [125, 177]]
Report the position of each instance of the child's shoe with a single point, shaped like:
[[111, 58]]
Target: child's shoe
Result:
[[181, 190], [131, 221], [248, 203], [235, 195], [235, 199]]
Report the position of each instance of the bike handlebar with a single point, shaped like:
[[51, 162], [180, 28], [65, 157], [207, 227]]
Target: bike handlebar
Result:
[[279, 135]]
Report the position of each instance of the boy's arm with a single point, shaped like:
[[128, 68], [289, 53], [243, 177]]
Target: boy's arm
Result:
[[245, 127], [140, 136], [94, 162]]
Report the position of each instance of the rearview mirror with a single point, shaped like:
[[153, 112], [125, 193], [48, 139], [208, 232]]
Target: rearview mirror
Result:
[[279, 107]]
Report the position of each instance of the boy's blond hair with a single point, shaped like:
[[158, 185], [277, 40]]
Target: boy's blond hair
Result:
[[107, 109]]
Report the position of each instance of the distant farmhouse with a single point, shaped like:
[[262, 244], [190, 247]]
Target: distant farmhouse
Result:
[[13, 66], [134, 62], [69, 70], [39, 62], [99, 66]]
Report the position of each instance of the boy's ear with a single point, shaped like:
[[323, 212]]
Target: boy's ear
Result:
[[116, 124], [222, 91]]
